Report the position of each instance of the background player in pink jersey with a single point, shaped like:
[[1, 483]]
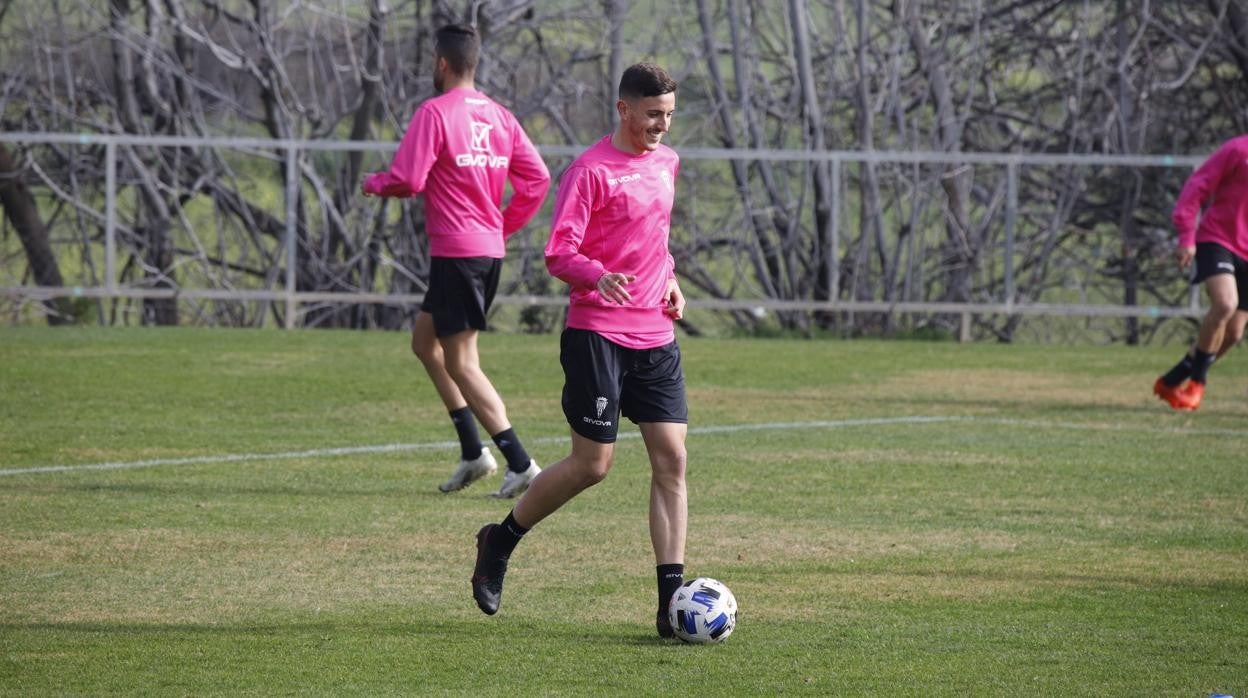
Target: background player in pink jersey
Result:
[[609, 242], [1220, 247], [460, 150]]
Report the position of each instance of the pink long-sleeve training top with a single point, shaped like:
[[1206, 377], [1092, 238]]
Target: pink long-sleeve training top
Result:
[[613, 211], [460, 149], [1221, 183]]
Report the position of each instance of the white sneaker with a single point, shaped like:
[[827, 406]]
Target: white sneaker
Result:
[[469, 471], [514, 484]]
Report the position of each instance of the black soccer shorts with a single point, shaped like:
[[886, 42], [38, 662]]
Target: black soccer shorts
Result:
[[461, 290], [1212, 259], [603, 380]]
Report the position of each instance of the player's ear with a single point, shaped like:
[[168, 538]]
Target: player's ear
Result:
[[621, 107]]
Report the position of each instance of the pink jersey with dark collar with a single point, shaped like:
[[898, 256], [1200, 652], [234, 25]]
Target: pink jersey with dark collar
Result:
[[460, 149], [1222, 184], [612, 213]]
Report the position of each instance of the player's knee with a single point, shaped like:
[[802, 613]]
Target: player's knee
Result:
[[1222, 309], [460, 369], [1234, 334], [594, 471], [425, 351], [669, 467]]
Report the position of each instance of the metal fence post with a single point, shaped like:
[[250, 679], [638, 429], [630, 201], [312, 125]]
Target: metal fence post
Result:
[[1011, 216], [110, 220], [834, 245], [292, 194]]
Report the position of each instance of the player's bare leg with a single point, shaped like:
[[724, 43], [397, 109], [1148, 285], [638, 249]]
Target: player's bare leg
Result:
[[1219, 330], [426, 347], [463, 363], [669, 502], [585, 466], [1234, 332], [1214, 332], [669, 510], [1223, 299], [475, 461]]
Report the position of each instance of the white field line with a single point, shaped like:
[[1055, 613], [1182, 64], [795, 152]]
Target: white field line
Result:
[[693, 431]]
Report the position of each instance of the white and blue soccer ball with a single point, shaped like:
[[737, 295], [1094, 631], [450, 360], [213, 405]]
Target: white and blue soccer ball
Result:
[[703, 610]]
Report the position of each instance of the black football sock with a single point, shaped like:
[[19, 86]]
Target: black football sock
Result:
[[1181, 372], [670, 576], [1200, 365], [466, 427], [513, 450], [504, 537]]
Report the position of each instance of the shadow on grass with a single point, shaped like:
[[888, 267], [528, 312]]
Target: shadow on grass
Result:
[[461, 631], [422, 490]]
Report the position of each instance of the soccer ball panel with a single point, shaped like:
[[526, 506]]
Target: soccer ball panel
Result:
[[703, 610]]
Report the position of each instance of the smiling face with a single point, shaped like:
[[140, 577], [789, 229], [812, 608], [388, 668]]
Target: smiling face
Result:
[[643, 122]]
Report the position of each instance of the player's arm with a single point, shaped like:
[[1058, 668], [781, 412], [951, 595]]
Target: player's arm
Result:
[[409, 170], [1196, 192], [574, 204], [530, 180], [674, 297]]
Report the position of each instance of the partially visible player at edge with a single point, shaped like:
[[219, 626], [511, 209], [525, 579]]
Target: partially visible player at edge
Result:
[[608, 241], [1219, 244], [460, 149]]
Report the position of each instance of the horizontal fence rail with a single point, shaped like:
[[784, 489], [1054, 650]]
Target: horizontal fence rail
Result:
[[292, 298]]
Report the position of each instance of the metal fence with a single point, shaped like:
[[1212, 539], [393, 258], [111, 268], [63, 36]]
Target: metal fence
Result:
[[285, 290]]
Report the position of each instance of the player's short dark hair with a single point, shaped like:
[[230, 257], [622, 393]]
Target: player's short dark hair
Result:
[[460, 45], [645, 80]]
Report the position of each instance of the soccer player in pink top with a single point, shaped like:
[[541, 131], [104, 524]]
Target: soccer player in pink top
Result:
[[608, 241], [460, 149], [1219, 244]]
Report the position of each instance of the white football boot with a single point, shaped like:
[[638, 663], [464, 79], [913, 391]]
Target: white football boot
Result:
[[514, 484], [469, 471]]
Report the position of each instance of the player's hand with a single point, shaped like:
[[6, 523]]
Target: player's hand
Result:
[[1184, 255], [675, 300], [363, 188], [611, 286]]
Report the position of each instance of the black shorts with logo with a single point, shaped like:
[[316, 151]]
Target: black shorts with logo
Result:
[[603, 380], [1213, 259], [461, 290]]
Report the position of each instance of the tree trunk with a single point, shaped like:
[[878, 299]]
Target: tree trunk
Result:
[[1126, 117], [22, 211], [821, 176]]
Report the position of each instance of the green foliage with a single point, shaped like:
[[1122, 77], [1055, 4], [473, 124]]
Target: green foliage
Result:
[[1050, 529]]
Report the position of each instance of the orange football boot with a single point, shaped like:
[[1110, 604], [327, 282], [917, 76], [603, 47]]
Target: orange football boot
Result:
[[1192, 394], [1175, 396]]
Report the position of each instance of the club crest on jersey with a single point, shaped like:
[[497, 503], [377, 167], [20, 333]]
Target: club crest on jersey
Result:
[[624, 179], [483, 157], [667, 179], [481, 135]]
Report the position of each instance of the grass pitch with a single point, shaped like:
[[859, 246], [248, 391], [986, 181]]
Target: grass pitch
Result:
[[897, 518]]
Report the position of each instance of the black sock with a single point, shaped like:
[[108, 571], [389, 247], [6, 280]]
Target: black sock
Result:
[[1181, 372], [466, 427], [1200, 365], [505, 536], [513, 450], [670, 578]]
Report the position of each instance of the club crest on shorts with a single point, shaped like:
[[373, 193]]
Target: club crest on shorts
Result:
[[600, 406]]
